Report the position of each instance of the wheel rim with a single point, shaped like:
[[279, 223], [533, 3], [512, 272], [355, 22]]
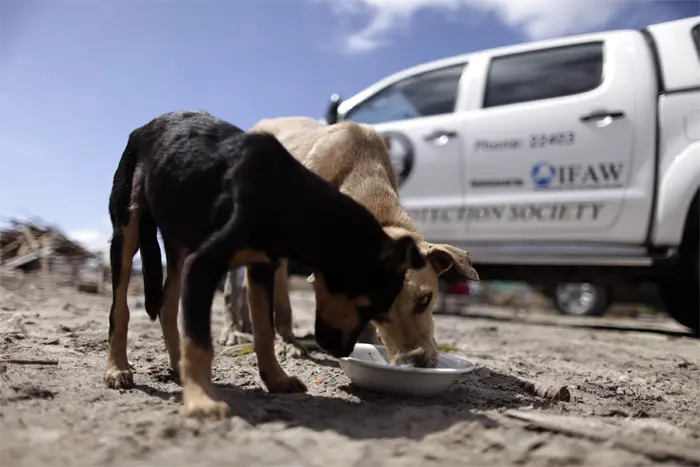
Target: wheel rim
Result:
[[576, 299]]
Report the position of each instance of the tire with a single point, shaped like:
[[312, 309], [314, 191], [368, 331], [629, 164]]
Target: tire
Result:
[[680, 291], [682, 302], [580, 299]]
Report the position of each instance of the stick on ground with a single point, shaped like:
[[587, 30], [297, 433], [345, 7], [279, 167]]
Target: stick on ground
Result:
[[20, 361], [547, 391]]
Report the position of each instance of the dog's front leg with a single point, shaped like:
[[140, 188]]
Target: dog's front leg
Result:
[[202, 271], [260, 288]]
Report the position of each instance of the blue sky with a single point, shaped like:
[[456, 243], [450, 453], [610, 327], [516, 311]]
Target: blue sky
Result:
[[77, 76]]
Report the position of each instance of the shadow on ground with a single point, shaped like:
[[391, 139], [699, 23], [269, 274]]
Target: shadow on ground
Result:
[[370, 415], [573, 325]]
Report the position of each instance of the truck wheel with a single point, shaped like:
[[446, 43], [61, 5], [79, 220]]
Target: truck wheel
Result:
[[682, 302], [681, 295], [680, 291], [580, 299]]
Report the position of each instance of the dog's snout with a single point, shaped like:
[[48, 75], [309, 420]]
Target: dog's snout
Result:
[[333, 347], [417, 358], [331, 340], [418, 361]]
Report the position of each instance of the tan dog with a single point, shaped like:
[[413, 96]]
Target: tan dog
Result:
[[355, 158]]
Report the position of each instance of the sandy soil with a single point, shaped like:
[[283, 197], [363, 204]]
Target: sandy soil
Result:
[[634, 389]]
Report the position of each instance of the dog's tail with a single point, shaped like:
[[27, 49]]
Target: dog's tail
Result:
[[151, 265], [127, 191]]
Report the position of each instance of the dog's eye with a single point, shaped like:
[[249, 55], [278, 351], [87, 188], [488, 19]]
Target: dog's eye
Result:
[[423, 302]]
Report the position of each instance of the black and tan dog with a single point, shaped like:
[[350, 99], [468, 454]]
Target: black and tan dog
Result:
[[354, 158], [222, 197]]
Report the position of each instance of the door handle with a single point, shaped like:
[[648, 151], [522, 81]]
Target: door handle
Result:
[[601, 114], [437, 134]]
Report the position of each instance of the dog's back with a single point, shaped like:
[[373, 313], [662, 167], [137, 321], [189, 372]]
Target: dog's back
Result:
[[351, 156], [157, 148], [166, 136], [185, 166], [356, 147]]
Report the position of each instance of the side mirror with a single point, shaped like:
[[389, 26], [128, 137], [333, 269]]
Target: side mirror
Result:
[[332, 111]]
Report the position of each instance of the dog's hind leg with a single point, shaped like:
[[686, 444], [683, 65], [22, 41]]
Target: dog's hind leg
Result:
[[237, 328], [283, 313], [260, 280], [124, 245], [171, 301], [202, 270]]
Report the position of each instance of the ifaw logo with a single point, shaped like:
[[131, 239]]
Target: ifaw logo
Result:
[[547, 176]]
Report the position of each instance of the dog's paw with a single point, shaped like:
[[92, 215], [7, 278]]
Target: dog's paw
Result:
[[291, 349], [285, 384], [119, 379], [174, 375], [205, 407], [288, 345], [230, 336]]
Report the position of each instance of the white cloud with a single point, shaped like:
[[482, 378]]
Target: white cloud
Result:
[[92, 239], [97, 240], [535, 19]]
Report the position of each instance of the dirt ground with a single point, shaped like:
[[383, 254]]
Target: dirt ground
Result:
[[634, 388]]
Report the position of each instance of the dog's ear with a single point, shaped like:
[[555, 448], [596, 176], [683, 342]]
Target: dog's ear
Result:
[[445, 258], [402, 254]]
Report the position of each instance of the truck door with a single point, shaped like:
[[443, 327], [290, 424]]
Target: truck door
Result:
[[417, 115], [550, 152]]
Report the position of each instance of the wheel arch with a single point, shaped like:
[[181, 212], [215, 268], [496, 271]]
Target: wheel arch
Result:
[[677, 194]]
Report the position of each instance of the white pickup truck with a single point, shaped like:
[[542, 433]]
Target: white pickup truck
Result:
[[569, 160]]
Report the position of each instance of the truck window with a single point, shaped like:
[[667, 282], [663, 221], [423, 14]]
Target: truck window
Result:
[[423, 95], [544, 74], [696, 37]]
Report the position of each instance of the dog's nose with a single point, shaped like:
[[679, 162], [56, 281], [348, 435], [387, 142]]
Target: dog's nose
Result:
[[333, 347], [416, 358]]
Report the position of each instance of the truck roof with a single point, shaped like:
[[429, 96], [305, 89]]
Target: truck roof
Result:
[[678, 53], [665, 32]]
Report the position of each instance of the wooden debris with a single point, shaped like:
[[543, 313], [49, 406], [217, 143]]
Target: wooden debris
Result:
[[29, 246], [34, 240], [547, 391], [596, 430]]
